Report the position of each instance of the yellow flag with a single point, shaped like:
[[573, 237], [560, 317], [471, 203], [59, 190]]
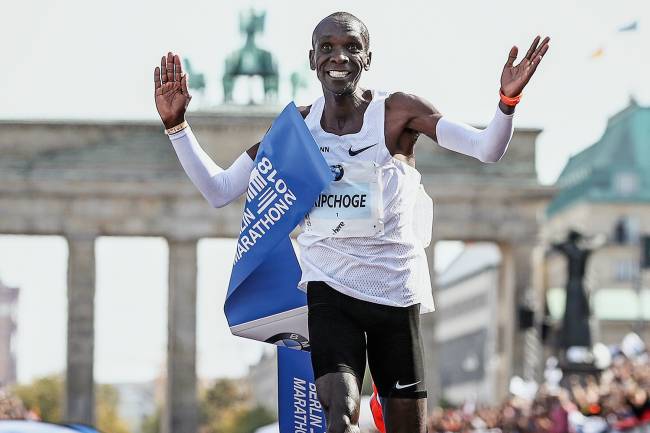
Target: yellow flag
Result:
[[598, 53]]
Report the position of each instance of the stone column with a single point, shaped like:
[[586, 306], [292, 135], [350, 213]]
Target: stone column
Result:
[[428, 327], [506, 319], [516, 346], [79, 380], [537, 357], [528, 354], [181, 405]]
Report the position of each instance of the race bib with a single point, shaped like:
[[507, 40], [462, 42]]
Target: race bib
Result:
[[352, 204]]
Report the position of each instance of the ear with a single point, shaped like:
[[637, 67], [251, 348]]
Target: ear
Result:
[[366, 66], [312, 63]]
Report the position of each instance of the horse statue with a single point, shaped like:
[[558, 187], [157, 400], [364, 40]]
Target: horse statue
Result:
[[196, 79], [251, 60]]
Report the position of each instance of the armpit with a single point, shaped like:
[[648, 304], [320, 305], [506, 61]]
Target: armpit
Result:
[[304, 110]]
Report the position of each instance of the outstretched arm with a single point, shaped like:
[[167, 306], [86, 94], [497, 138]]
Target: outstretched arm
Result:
[[486, 145], [218, 186]]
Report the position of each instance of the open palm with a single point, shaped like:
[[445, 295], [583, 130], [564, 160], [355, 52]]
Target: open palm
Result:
[[171, 95], [515, 77]]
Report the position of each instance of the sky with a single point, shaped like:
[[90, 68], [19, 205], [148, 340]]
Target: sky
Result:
[[94, 60], [90, 59]]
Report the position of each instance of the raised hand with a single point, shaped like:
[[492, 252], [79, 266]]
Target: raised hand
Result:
[[514, 78], [171, 95]]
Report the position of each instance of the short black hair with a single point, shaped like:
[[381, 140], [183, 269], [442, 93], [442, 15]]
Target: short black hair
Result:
[[345, 17]]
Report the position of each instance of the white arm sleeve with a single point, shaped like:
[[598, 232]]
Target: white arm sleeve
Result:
[[218, 186], [487, 145]]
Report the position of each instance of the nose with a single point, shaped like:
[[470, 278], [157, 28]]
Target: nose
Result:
[[339, 57]]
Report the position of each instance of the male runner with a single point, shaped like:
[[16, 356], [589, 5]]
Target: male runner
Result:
[[362, 256]]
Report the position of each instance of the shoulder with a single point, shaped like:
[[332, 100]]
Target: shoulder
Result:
[[399, 99], [304, 110], [409, 104]]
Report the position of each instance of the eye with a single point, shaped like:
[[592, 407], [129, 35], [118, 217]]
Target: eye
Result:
[[325, 48], [354, 48]]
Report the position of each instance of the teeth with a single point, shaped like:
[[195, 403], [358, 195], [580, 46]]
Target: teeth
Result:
[[338, 74]]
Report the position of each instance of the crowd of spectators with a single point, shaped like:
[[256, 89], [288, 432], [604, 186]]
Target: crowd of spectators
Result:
[[615, 401]]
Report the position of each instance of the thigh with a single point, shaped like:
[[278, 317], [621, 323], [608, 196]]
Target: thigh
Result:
[[395, 353], [337, 343]]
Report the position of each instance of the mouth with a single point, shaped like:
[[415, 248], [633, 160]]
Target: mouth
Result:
[[338, 74]]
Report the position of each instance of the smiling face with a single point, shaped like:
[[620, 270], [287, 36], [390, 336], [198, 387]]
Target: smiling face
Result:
[[339, 53]]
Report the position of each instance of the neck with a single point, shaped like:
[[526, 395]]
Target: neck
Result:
[[344, 107]]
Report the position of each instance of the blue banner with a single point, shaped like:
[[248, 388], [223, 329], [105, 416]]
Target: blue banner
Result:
[[263, 300], [298, 405]]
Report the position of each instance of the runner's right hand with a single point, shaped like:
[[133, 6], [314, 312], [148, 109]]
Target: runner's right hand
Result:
[[171, 95]]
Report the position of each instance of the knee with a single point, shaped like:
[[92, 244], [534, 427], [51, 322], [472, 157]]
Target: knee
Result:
[[343, 417]]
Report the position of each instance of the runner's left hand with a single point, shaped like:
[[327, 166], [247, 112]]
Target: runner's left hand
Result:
[[514, 78]]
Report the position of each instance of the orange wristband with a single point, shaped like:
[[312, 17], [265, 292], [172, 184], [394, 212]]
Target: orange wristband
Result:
[[510, 102]]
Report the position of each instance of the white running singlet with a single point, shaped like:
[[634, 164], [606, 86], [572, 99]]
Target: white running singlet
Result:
[[366, 234]]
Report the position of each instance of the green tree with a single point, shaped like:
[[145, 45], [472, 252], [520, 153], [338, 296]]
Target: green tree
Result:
[[44, 396], [224, 394], [219, 404], [249, 420], [108, 419], [227, 407], [151, 424]]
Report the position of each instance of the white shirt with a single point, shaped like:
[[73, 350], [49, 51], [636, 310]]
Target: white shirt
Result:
[[388, 267]]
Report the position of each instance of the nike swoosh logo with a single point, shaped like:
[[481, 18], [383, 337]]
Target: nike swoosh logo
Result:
[[398, 386], [358, 151]]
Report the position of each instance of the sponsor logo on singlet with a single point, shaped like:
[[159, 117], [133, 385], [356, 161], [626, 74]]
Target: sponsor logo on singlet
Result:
[[338, 228], [358, 151], [337, 171]]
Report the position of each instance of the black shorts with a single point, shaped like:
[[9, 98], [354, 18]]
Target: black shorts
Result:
[[342, 329]]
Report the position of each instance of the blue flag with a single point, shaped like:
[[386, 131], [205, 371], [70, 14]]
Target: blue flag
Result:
[[263, 300], [630, 27]]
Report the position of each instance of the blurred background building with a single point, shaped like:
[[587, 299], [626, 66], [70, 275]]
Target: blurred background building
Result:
[[467, 335], [263, 381], [605, 189]]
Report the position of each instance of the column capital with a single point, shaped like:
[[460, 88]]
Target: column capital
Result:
[[80, 236], [181, 239]]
